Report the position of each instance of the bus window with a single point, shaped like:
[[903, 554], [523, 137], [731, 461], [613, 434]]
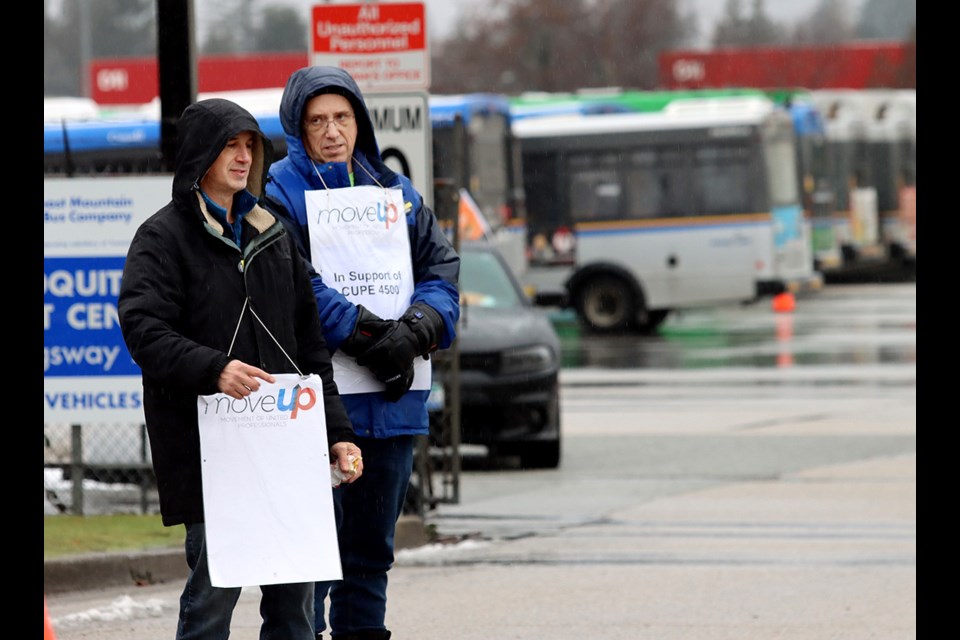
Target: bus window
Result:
[[595, 192], [647, 184], [884, 165], [722, 175], [673, 176], [908, 155], [842, 169], [489, 179]]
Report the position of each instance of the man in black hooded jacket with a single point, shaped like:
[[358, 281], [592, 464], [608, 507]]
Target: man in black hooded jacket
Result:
[[215, 298]]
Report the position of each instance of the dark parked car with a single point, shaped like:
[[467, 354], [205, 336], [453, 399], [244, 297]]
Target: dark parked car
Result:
[[509, 365]]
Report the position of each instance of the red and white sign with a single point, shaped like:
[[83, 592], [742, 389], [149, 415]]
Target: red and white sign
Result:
[[124, 81], [384, 46]]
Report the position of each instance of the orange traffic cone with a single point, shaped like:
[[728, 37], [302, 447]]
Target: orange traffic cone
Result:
[[784, 302], [47, 627]]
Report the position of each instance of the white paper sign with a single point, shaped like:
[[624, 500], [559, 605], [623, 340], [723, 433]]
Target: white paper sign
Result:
[[268, 504], [360, 247]]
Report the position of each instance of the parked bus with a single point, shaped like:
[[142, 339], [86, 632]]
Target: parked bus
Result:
[[881, 133], [809, 128], [892, 140], [813, 175], [633, 215], [487, 164], [856, 220]]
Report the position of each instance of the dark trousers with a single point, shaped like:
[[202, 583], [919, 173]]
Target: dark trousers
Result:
[[367, 512]]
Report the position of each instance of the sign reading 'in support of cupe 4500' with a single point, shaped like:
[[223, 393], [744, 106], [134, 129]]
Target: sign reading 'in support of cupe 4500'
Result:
[[88, 223]]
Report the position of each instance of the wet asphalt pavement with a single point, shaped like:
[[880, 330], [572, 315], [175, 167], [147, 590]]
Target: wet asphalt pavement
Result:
[[743, 475]]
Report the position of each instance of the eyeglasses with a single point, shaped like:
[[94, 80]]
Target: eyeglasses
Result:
[[319, 123]]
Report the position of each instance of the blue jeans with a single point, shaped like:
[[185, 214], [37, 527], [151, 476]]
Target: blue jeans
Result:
[[206, 611], [367, 512]]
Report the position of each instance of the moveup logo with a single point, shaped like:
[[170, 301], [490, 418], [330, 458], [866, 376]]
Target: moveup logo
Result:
[[385, 213], [286, 400]]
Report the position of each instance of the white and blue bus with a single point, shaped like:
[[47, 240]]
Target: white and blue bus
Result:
[[856, 218], [475, 149], [892, 139], [813, 166], [809, 127], [633, 215]]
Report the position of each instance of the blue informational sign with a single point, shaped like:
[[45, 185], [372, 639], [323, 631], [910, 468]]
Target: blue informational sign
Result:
[[88, 374], [81, 330]]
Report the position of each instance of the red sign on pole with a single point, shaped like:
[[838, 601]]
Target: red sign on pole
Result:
[[384, 46]]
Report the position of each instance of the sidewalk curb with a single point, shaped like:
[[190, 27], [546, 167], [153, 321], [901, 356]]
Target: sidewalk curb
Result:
[[157, 566], [103, 570]]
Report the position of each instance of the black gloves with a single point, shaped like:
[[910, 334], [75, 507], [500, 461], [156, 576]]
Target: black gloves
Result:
[[398, 384], [368, 329], [426, 324], [391, 357]]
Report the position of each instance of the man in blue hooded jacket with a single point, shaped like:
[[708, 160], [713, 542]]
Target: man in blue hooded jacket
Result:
[[385, 278]]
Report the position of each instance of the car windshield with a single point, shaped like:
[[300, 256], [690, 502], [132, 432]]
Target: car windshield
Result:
[[484, 282]]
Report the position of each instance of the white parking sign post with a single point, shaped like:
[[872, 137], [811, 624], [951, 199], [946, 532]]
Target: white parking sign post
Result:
[[402, 123]]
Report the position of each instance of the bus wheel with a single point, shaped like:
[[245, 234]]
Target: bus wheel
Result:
[[606, 304]]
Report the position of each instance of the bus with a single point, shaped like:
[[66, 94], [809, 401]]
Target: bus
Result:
[[813, 175], [856, 218], [892, 140], [474, 144], [809, 128], [633, 215]]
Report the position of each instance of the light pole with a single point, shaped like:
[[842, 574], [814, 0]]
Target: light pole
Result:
[[85, 54]]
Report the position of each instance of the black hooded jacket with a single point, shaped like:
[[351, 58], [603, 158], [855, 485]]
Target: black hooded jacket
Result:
[[184, 285]]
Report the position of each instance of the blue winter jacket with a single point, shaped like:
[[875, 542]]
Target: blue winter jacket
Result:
[[436, 266]]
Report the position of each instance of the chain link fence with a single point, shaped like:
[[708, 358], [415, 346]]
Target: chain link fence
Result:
[[94, 469]]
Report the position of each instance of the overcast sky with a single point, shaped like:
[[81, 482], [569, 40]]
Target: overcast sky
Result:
[[443, 14]]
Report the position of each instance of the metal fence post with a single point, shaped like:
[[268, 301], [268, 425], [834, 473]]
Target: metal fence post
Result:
[[77, 467]]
